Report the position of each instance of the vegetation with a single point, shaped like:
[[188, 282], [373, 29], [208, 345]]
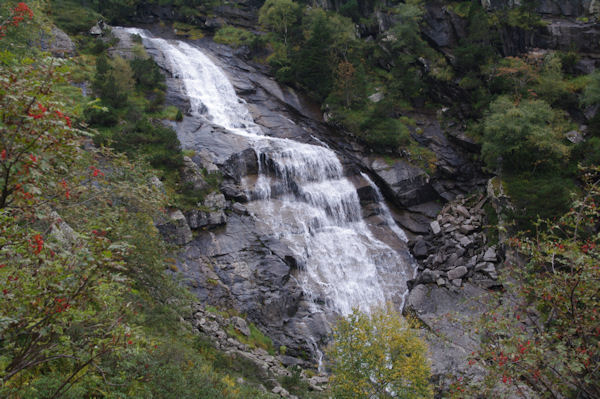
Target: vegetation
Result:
[[86, 309], [544, 336], [378, 355]]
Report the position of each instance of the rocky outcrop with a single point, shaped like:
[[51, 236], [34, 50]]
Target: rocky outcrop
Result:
[[191, 175], [211, 215], [456, 250], [225, 333], [567, 8], [174, 228], [57, 42]]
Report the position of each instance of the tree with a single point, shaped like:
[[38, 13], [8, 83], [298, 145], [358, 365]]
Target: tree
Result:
[[525, 136], [544, 333], [378, 355], [279, 16]]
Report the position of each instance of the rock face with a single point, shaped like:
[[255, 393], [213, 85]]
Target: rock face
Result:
[[445, 313]]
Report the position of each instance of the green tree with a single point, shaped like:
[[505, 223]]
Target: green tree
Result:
[[378, 355], [525, 136], [279, 16]]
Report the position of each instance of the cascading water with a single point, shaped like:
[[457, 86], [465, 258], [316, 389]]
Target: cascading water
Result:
[[301, 197]]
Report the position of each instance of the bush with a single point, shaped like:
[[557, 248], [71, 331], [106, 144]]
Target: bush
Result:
[[100, 116], [534, 197]]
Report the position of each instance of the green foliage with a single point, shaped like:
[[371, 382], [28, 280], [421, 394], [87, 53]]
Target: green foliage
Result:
[[158, 143], [236, 37], [525, 136], [378, 355], [61, 308], [545, 334], [538, 196], [279, 16], [71, 16]]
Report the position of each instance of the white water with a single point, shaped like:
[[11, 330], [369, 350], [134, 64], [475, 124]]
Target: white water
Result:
[[301, 197]]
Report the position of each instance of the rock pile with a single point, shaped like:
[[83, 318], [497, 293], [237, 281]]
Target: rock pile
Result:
[[215, 326], [456, 249]]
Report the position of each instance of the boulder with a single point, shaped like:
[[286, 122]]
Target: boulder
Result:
[[175, 228], [419, 249], [409, 184], [215, 201], [192, 175], [59, 43], [490, 255], [240, 325]]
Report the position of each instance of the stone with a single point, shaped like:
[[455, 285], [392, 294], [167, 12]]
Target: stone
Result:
[[176, 229], [429, 276], [376, 97], [435, 227], [278, 390], [488, 269], [59, 43], [98, 29], [467, 228], [215, 201], [490, 255], [157, 184], [463, 211], [457, 273], [574, 136], [192, 175], [457, 282], [240, 325], [465, 242], [205, 159], [61, 231], [420, 248], [440, 282]]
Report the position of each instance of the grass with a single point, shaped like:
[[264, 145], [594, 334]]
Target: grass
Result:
[[190, 31], [256, 339], [234, 37]]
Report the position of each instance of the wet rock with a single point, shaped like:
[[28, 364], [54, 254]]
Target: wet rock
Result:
[[233, 192], [409, 184], [367, 194], [242, 164], [239, 209]]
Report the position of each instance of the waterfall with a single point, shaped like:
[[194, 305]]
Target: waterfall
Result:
[[301, 197]]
